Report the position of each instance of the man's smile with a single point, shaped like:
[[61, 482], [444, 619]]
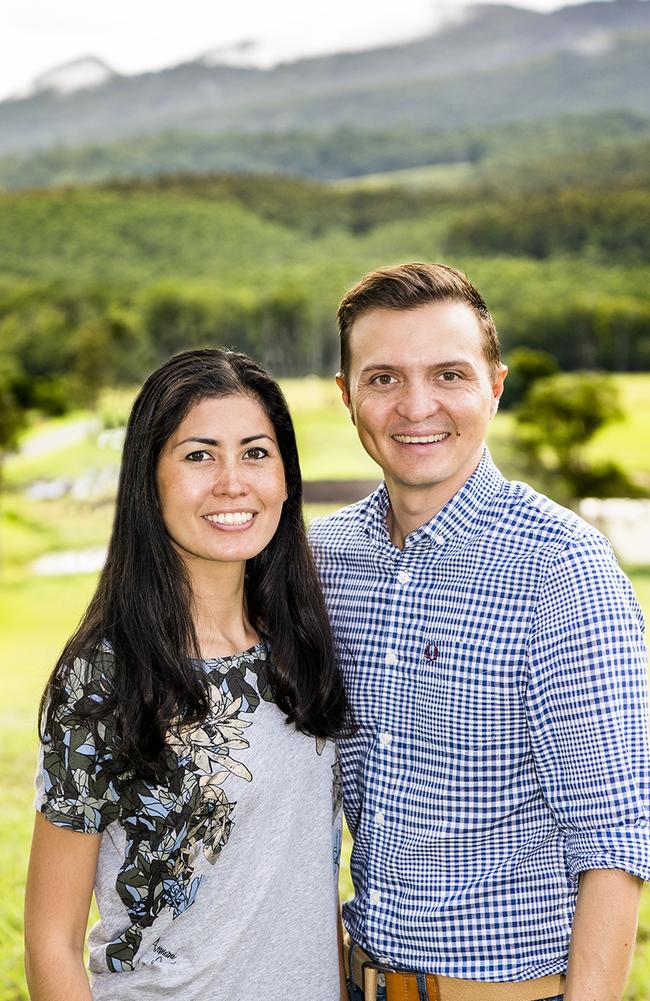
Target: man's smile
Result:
[[428, 439]]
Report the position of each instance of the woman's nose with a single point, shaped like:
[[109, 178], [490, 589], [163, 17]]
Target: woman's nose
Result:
[[230, 481]]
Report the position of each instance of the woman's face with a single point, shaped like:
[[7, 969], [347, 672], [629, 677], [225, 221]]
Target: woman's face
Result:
[[221, 482]]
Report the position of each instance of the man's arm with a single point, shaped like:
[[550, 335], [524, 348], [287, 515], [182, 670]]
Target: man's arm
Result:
[[587, 708], [604, 931]]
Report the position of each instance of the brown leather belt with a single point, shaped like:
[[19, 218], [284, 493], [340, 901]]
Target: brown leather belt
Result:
[[402, 985]]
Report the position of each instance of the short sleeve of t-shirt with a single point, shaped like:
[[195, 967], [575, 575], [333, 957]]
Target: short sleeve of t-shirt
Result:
[[74, 788]]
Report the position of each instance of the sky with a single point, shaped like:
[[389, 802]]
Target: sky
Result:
[[133, 36]]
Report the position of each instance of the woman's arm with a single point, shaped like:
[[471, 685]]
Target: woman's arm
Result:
[[60, 883], [343, 984]]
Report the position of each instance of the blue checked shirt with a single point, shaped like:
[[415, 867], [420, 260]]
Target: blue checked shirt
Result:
[[497, 672]]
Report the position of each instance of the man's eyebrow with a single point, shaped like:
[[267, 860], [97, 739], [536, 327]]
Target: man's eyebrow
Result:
[[389, 366], [215, 441], [392, 367]]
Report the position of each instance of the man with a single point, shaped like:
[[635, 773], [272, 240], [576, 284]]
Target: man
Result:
[[497, 784]]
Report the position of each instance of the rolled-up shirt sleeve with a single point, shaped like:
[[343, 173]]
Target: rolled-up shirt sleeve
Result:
[[587, 707]]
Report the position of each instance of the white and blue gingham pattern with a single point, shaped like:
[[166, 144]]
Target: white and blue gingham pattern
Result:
[[497, 672]]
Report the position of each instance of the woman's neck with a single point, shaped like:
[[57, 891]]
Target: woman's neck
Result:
[[218, 609]]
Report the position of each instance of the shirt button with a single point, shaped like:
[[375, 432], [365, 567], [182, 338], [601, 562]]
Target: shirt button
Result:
[[439, 540], [375, 897], [385, 739], [380, 820], [403, 577], [391, 658]]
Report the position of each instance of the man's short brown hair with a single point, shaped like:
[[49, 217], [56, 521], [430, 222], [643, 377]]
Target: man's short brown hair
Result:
[[407, 286]]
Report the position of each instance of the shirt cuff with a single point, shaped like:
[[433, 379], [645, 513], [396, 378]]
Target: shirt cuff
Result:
[[626, 848]]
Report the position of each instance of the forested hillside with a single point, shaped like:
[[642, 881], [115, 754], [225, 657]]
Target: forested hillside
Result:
[[100, 284], [116, 254], [535, 152]]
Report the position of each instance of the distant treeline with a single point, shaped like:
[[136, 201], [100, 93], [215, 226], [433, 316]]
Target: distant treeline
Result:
[[608, 223], [558, 149], [59, 346], [169, 224]]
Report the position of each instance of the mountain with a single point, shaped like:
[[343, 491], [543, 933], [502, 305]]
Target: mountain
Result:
[[498, 63], [78, 74]]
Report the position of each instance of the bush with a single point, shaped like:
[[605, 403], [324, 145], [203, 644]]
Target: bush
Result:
[[525, 367], [557, 418]]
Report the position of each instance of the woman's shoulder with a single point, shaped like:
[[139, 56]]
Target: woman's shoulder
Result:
[[86, 680]]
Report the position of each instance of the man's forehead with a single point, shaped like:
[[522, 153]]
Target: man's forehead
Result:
[[444, 311], [431, 333]]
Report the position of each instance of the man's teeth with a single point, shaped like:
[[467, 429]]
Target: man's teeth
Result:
[[409, 439], [231, 517]]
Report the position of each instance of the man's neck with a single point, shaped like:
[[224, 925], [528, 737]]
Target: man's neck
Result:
[[401, 520], [412, 507]]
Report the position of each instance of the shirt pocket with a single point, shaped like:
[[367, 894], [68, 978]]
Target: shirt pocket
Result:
[[462, 696]]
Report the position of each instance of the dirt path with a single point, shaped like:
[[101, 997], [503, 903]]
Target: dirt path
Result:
[[68, 434]]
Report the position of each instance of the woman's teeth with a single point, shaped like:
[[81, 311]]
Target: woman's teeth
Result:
[[231, 517]]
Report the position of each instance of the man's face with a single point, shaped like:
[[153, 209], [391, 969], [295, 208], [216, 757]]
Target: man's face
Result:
[[421, 394]]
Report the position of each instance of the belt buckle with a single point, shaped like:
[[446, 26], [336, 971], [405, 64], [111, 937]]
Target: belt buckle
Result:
[[370, 973]]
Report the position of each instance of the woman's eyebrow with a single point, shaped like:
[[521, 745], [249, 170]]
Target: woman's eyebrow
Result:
[[199, 441], [255, 437], [215, 441]]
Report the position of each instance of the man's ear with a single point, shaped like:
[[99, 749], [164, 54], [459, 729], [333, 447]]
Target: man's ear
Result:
[[345, 393], [343, 386], [497, 388]]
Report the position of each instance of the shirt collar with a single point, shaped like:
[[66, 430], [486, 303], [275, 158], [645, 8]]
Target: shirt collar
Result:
[[457, 517]]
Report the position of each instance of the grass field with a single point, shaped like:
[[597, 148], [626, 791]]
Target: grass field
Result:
[[37, 614], [436, 177], [627, 441]]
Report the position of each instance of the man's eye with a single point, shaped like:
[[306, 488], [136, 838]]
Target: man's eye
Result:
[[255, 453], [384, 379], [199, 456], [450, 376]]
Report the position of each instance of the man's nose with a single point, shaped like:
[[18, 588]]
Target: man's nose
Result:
[[417, 401]]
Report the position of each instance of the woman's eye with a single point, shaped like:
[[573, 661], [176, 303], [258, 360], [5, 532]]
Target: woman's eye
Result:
[[199, 456], [256, 453]]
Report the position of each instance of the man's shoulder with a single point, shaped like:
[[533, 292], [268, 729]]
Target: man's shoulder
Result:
[[544, 521], [341, 524]]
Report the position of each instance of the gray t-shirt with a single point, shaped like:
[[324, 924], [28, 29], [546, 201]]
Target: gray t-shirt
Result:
[[220, 883]]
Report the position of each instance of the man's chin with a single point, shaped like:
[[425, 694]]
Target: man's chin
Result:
[[414, 481]]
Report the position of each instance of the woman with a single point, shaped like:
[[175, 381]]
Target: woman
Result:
[[169, 780]]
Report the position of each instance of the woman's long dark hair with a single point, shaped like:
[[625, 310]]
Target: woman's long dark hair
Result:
[[142, 605]]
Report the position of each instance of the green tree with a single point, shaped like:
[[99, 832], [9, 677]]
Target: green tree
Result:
[[525, 367], [555, 422], [12, 415]]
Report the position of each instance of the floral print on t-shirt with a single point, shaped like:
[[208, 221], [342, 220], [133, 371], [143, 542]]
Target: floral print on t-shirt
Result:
[[168, 825]]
